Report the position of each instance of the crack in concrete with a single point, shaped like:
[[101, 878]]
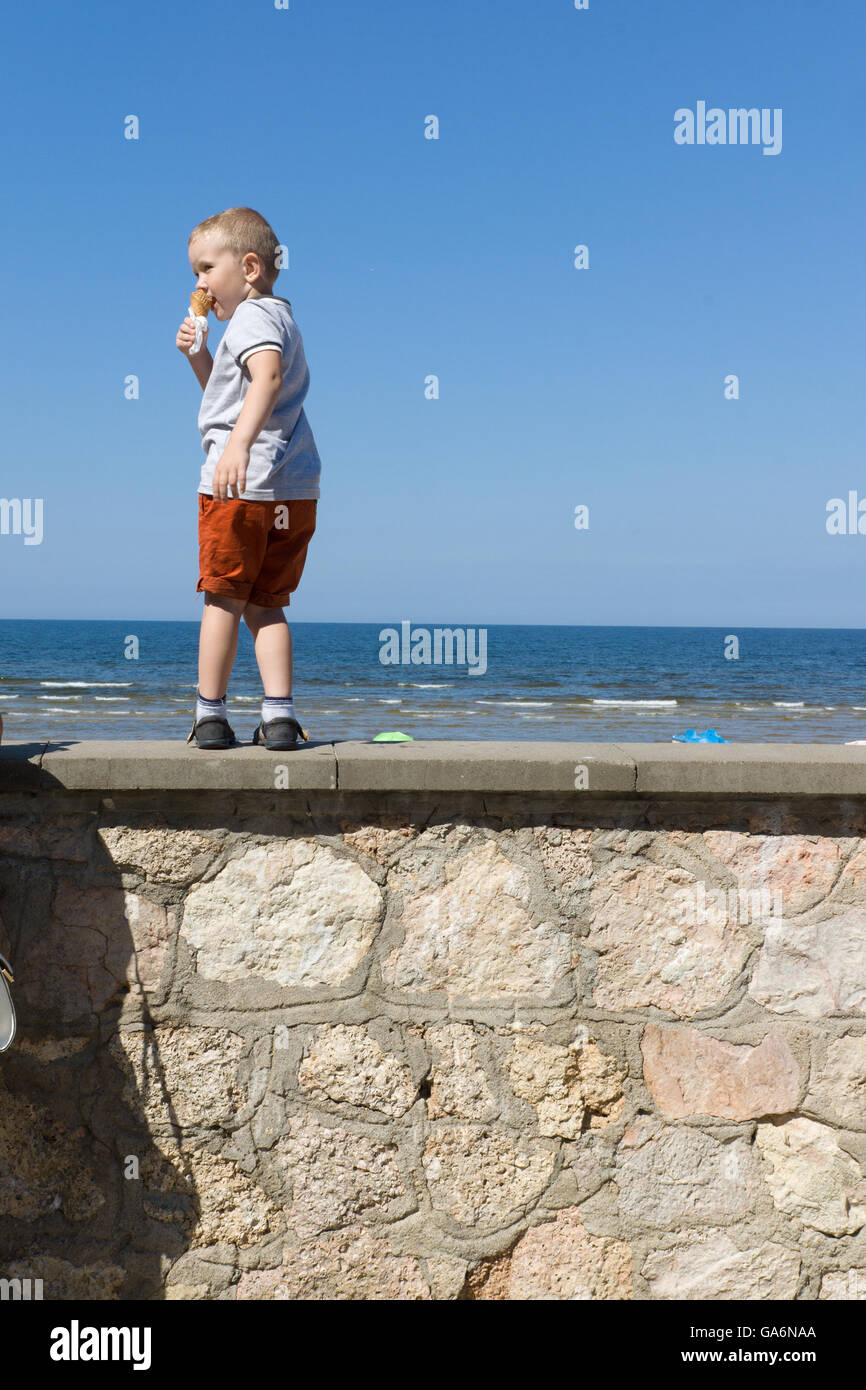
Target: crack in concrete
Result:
[[634, 766]]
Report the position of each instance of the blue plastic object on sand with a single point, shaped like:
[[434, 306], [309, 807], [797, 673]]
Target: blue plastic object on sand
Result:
[[692, 736]]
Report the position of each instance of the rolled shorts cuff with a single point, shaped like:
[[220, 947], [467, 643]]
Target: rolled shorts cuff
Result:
[[230, 588], [237, 589], [262, 600]]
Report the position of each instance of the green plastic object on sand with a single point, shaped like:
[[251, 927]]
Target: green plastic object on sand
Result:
[[393, 736]]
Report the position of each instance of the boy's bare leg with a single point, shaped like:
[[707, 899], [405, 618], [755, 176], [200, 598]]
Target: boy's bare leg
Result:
[[273, 642], [218, 643]]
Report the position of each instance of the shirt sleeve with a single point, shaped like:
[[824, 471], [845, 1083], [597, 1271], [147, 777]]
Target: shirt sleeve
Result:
[[251, 329]]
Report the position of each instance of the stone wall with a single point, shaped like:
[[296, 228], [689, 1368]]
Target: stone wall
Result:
[[415, 1045]]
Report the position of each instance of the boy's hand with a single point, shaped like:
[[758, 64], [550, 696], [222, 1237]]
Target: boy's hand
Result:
[[230, 471], [186, 338]]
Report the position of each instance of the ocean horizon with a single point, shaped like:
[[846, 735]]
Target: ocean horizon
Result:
[[72, 680]]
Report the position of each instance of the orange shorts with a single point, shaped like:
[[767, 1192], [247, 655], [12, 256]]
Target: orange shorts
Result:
[[242, 552]]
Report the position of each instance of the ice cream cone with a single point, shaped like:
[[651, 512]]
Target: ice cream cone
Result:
[[200, 303]]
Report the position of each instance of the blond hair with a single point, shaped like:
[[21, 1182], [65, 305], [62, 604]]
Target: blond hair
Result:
[[241, 230]]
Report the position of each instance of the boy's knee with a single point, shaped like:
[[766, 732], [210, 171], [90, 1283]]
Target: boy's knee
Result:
[[253, 614]]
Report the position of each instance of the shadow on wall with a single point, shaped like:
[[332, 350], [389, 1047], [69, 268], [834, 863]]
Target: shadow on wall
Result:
[[96, 1193]]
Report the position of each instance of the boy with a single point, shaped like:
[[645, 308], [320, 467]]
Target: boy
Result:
[[258, 446]]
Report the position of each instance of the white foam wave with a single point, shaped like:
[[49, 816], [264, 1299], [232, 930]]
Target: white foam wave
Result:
[[649, 704], [521, 704]]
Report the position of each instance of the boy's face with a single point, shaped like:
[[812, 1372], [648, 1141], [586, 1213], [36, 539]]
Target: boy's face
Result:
[[219, 273]]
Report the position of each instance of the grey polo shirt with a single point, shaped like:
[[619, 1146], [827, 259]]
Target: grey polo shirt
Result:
[[284, 462]]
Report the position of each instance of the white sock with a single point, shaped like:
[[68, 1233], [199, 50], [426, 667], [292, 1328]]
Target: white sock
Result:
[[205, 707], [277, 708]]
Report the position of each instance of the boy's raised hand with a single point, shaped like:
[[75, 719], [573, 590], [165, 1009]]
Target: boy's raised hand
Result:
[[186, 338]]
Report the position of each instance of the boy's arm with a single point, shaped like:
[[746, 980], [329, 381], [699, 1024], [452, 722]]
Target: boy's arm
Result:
[[230, 472], [202, 365], [266, 374]]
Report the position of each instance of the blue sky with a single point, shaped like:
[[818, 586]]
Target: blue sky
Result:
[[453, 257]]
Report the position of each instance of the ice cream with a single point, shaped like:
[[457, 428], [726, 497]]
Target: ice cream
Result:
[[200, 304]]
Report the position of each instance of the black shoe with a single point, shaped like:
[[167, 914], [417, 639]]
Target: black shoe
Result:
[[212, 732], [279, 733]]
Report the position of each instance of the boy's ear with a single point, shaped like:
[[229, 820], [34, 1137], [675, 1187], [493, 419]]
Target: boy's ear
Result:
[[256, 268]]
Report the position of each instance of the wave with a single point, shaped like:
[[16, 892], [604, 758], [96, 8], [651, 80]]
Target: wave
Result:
[[655, 704], [521, 704]]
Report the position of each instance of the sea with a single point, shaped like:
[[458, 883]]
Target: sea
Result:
[[70, 680]]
